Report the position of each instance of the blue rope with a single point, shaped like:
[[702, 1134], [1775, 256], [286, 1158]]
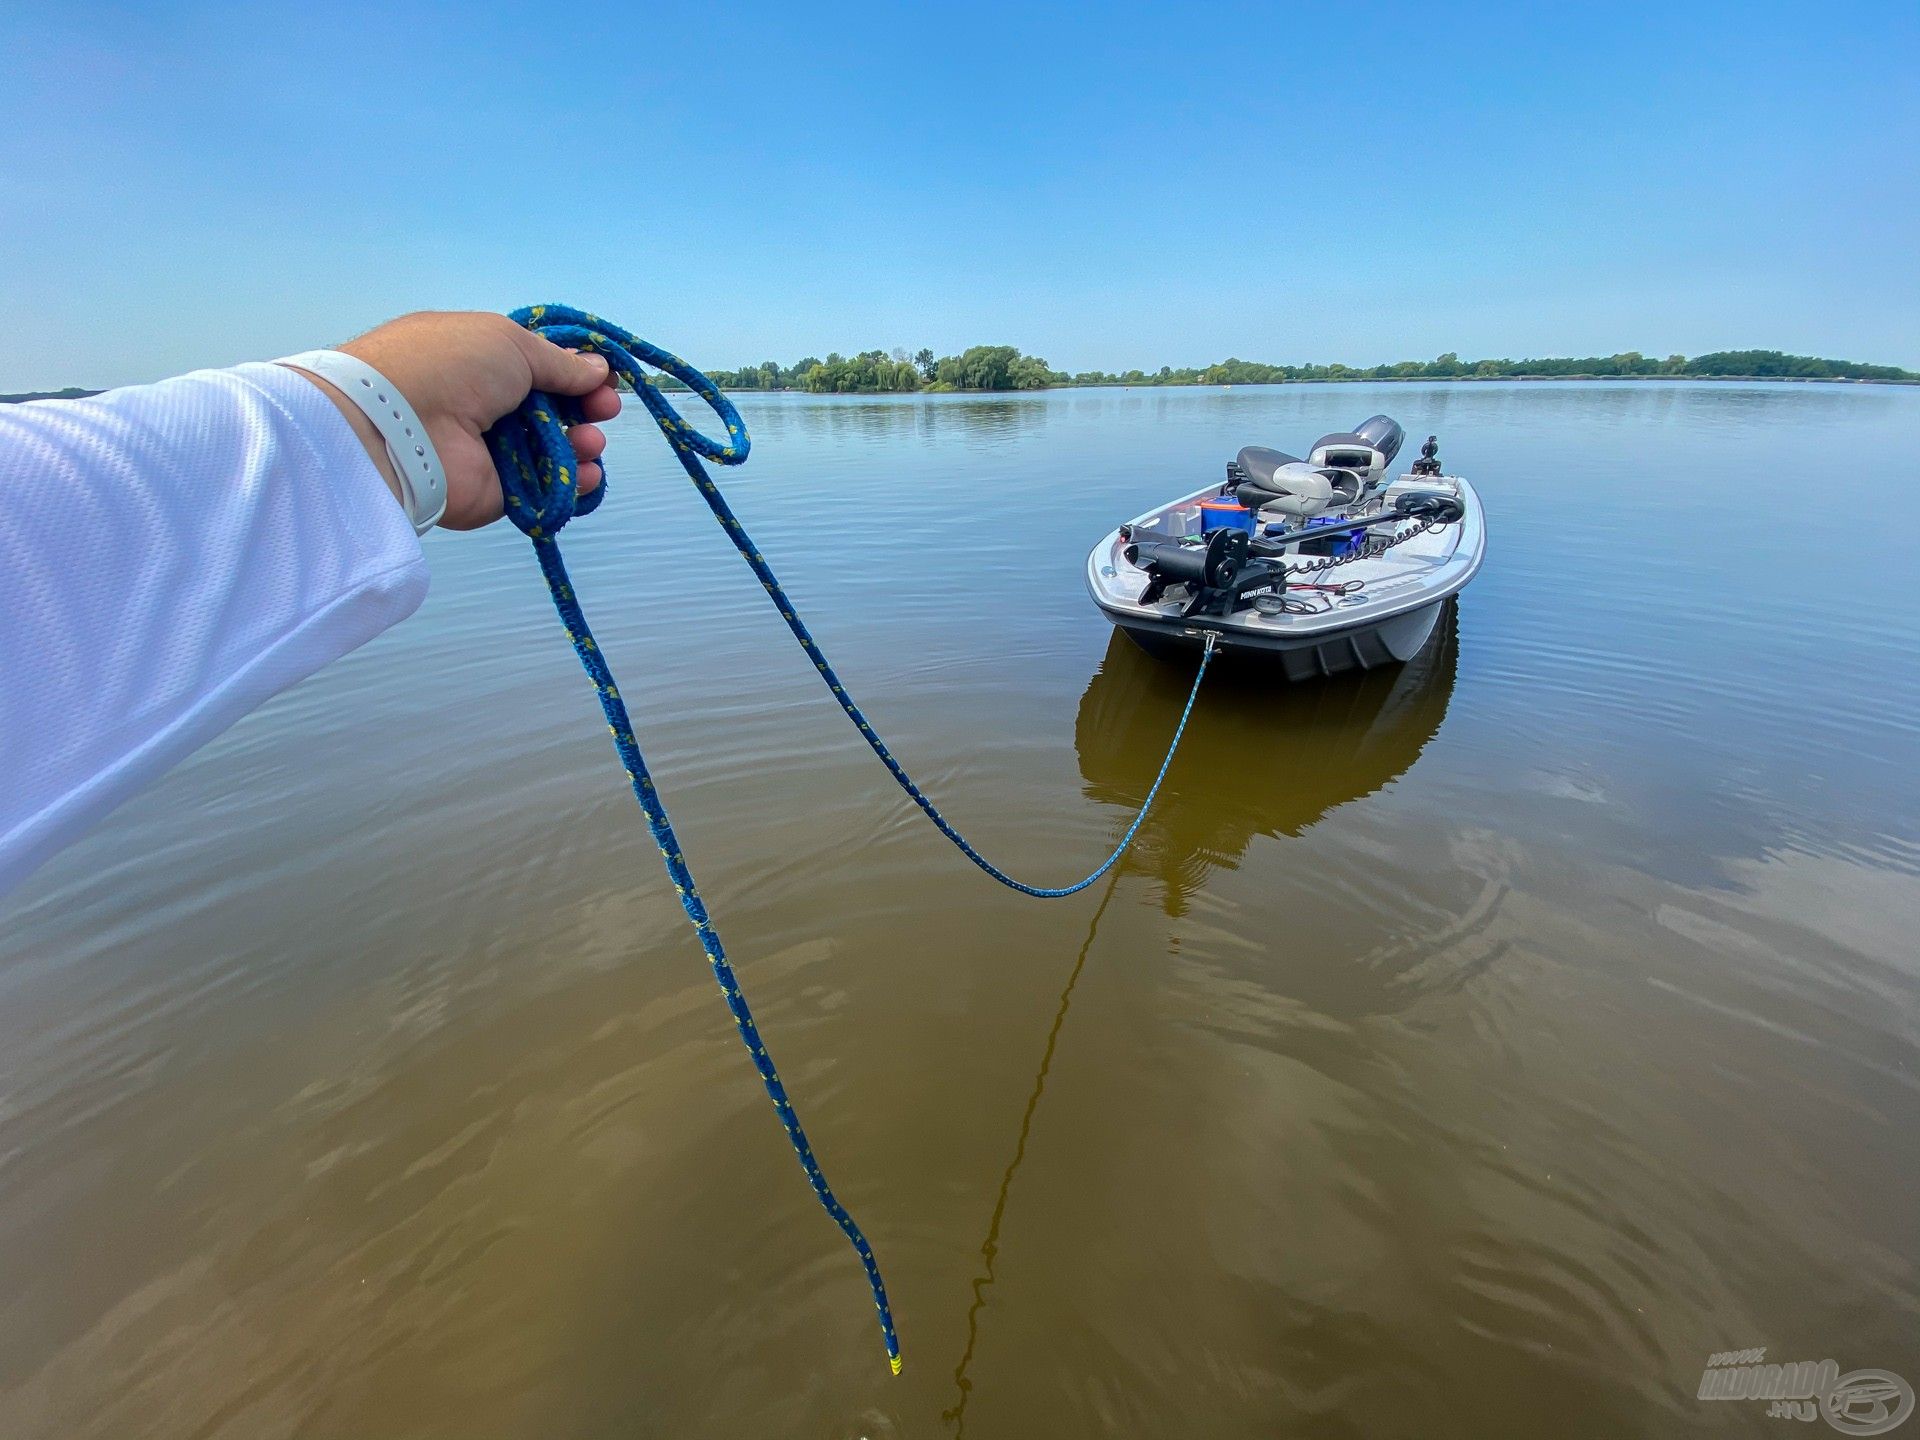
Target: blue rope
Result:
[[539, 474]]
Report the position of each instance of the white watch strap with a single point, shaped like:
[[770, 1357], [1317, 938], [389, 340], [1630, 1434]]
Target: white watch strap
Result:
[[423, 481]]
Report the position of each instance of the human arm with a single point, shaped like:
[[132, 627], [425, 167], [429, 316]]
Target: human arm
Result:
[[172, 555]]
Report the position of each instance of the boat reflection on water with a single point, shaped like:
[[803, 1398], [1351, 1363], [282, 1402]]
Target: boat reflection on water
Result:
[[1259, 758]]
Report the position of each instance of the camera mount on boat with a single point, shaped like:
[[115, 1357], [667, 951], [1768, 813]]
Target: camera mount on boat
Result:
[[1429, 461]]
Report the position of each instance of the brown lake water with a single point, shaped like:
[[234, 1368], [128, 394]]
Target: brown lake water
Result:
[[1467, 1050]]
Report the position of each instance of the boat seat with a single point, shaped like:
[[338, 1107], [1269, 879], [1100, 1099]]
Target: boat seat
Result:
[[1259, 463], [1366, 451], [1299, 490]]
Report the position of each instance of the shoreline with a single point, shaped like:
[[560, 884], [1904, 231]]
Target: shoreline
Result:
[[76, 393], [1340, 380]]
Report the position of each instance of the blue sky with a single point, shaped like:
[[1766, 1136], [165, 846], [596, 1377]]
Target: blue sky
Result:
[[196, 184]]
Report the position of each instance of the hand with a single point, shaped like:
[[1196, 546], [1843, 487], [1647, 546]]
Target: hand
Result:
[[463, 370]]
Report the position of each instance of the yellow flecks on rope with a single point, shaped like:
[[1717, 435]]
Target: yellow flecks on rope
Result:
[[895, 1361]]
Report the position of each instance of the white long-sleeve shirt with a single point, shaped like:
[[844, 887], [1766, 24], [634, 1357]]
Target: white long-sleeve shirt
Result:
[[172, 555]]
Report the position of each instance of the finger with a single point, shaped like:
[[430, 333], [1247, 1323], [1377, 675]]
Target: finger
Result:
[[589, 442], [602, 404], [590, 477], [562, 372]]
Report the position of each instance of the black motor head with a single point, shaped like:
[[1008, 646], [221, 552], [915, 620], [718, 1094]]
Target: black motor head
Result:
[[1435, 509]]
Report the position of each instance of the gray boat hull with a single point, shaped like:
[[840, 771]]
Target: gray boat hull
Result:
[[1366, 646]]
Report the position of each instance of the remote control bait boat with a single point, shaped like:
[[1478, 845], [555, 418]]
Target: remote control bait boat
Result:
[[1314, 566]]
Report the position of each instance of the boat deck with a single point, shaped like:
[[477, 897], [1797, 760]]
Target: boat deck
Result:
[[1417, 572]]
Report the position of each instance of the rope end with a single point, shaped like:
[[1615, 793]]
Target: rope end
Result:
[[895, 1362]]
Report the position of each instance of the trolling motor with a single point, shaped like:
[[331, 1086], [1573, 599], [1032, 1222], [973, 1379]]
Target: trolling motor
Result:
[[1220, 574]]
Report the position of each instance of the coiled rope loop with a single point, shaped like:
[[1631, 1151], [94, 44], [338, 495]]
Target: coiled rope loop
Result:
[[540, 474]]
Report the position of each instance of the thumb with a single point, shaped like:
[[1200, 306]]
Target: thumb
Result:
[[560, 371]]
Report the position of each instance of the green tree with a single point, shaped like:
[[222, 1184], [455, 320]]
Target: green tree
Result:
[[981, 367]]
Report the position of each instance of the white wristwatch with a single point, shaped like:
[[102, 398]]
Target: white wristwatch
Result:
[[423, 481]]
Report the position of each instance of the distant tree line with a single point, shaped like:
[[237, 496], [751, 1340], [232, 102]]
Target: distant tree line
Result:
[[1005, 367], [72, 392], [1754, 364]]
